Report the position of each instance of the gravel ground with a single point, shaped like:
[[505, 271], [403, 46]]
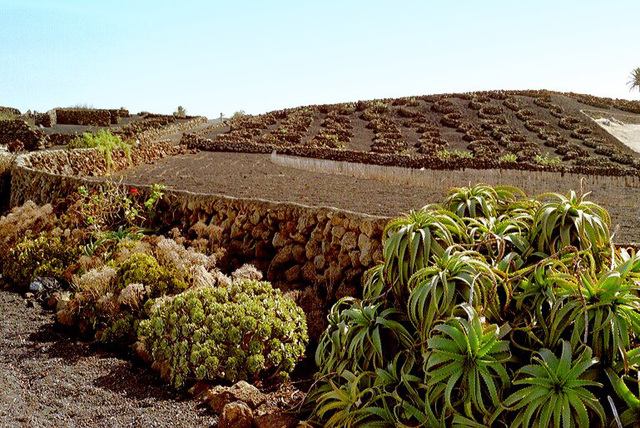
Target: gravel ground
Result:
[[48, 379]]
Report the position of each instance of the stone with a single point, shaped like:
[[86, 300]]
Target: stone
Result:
[[285, 255], [299, 253], [349, 241], [277, 419], [293, 274], [309, 272], [255, 217], [319, 262], [236, 415], [56, 297], [312, 249], [343, 260], [355, 258], [278, 240], [44, 287], [337, 232], [219, 396], [365, 245], [367, 228]]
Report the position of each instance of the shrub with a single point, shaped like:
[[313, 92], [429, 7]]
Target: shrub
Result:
[[180, 112], [144, 269], [547, 160], [104, 141], [247, 330], [47, 254]]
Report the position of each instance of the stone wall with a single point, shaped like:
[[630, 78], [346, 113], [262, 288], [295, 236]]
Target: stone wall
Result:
[[47, 119], [431, 162], [316, 254], [19, 130], [10, 111], [87, 117], [116, 114]]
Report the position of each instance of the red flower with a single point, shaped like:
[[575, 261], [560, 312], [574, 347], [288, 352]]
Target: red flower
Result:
[[133, 191]]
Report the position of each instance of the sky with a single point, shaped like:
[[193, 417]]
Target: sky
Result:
[[214, 57]]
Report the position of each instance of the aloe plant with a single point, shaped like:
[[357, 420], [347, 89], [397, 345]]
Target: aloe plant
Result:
[[480, 200], [468, 358], [555, 392], [570, 221], [411, 242], [454, 278]]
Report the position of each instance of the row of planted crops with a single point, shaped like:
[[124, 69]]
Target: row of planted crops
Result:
[[491, 309]]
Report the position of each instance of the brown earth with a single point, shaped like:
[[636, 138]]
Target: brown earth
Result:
[[48, 379], [245, 175]]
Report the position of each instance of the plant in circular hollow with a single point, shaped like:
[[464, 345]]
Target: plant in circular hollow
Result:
[[454, 278], [468, 357], [555, 391]]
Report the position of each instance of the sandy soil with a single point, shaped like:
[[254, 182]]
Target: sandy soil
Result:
[[627, 133], [47, 380]]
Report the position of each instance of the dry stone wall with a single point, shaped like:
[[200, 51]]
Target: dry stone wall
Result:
[[47, 119], [316, 254], [87, 117], [19, 130]]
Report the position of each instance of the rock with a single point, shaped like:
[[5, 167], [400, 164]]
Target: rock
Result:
[[277, 419], [219, 396], [367, 228], [299, 254], [44, 287], [293, 274], [278, 240], [319, 262], [337, 232], [312, 249], [58, 300], [309, 272], [236, 415], [349, 241], [142, 352]]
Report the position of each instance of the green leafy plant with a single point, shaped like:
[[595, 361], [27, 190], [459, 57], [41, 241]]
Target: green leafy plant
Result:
[[442, 327], [555, 391], [570, 221], [247, 330], [547, 160], [468, 358], [104, 141]]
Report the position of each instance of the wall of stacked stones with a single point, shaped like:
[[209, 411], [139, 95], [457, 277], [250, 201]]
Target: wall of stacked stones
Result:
[[317, 254], [87, 117], [18, 129]]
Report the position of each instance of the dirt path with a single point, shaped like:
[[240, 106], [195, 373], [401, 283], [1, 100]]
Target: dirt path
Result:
[[47, 380]]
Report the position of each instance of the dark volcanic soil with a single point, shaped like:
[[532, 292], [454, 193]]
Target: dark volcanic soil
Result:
[[47, 379], [244, 175]]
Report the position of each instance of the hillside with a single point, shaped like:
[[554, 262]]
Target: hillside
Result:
[[508, 129]]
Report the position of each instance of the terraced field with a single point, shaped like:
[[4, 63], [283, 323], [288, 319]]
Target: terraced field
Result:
[[511, 129]]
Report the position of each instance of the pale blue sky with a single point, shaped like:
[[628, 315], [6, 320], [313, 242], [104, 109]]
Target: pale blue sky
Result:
[[212, 56]]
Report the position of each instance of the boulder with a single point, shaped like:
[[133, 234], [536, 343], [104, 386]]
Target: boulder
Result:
[[236, 415]]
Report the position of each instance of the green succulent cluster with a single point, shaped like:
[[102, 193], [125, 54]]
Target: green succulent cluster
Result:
[[45, 254], [247, 330], [144, 269], [491, 309]]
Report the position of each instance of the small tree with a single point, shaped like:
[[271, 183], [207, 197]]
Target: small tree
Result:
[[635, 79], [181, 112]]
